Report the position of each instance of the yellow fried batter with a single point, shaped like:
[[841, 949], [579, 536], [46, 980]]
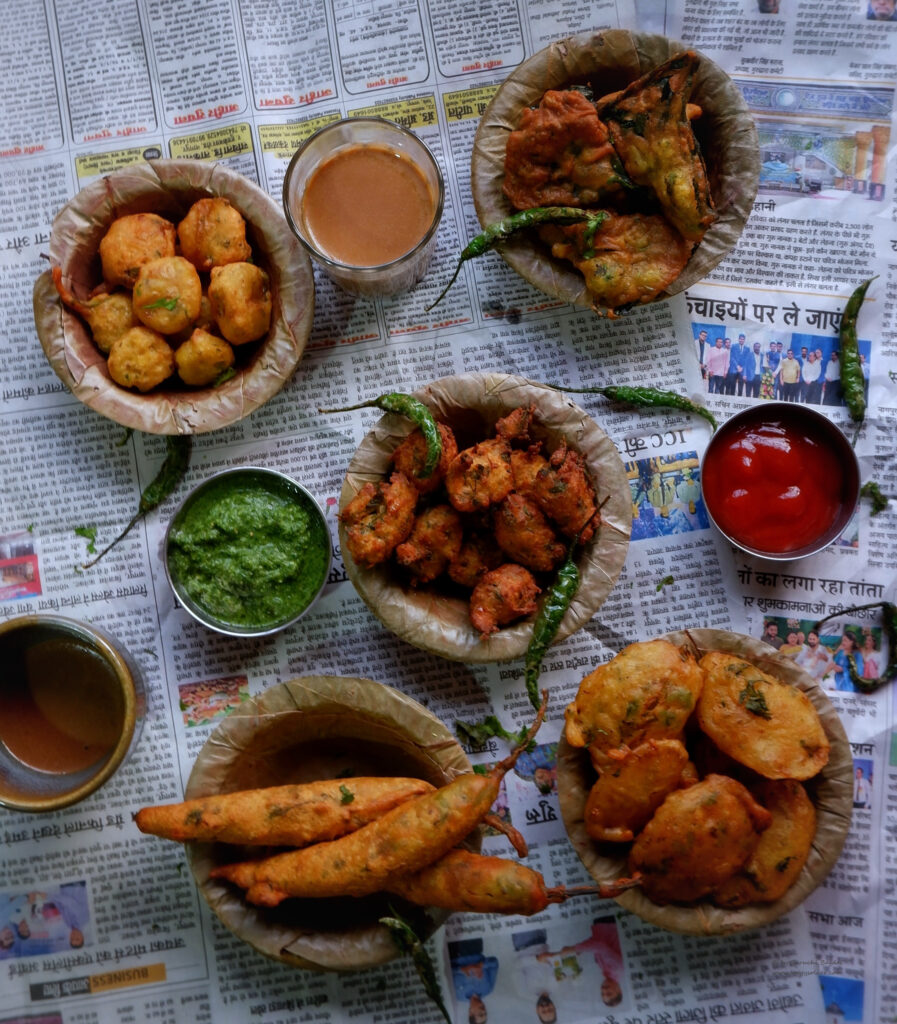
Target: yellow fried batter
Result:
[[560, 155], [480, 476], [646, 692], [630, 259], [167, 294], [213, 233], [378, 519], [140, 358], [411, 454], [108, 314], [651, 133], [760, 721], [630, 789], [782, 850], [525, 535], [698, 838], [202, 358], [240, 294], [435, 539], [501, 596], [130, 242]]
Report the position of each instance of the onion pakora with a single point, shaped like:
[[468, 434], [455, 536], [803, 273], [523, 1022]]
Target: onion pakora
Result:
[[759, 720], [435, 539], [480, 476], [561, 488], [524, 533], [411, 457], [378, 519], [501, 596]]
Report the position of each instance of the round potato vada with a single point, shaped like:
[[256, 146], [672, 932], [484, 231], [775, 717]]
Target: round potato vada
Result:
[[141, 358], [130, 242], [240, 294], [213, 234], [167, 294], [202, 358]]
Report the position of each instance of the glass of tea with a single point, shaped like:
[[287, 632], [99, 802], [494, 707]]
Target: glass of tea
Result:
[[71, 711], [364, 195]]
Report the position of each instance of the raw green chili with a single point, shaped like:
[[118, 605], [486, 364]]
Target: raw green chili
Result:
[[852, 381], [502, 230], [407, 941], [873, 492], [645, 398], [889, 624], [177, 458], [548, 621], [414, 410], [475, 734]]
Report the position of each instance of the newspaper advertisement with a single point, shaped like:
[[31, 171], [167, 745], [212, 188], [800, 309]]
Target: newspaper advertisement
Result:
[[104, 925]]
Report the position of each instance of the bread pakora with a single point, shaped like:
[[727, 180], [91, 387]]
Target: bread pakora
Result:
[[782, 850], [645, 692], [698, 838], [760, 721], [630, 789]]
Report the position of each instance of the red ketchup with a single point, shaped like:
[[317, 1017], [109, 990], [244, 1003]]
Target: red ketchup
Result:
[[772, 484]]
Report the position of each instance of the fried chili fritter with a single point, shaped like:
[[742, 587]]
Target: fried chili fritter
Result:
[[501, 596], [650, 130], [378, 519], [560, 155]]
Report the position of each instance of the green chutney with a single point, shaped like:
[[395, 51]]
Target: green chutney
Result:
[[249, 551]]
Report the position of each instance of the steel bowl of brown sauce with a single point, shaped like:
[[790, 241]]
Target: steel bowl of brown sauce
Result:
[[71, 711]]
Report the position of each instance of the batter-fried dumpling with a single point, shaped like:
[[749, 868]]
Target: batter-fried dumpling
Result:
[[480, 476], [629, 259], [202, 358], [435, 539], [130, 242], [501, 596], [698, 838], [560, 155], [651, 133], [213, 233], [630, 789], [783, 848], [561, 487], [646, 692], [240, 295], [525, 535], [762, 722], [411, 456], [108, 314], [167, 294], [140, 358], [477, 556], [378, 519]]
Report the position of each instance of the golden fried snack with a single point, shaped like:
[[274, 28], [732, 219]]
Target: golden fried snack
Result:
[[561, 488], [783, 848], [560, 155], [631, 788], [516, 425], [651, 133], [645, 692], [759, 720], [435, 539], [202, 358], [477, 556], [167, 294], [378, 519], [130, 242], [213, 233], [108, 314], [240, 295], [291, 815], [525, 535], [630, 259], [480, 476], [140, 358], [698, 838], [411, 455], [501, 596]]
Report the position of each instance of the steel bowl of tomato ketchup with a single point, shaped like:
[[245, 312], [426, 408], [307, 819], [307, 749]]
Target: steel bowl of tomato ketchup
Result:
[[780, 481]]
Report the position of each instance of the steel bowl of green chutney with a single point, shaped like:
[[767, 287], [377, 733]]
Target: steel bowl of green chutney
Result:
[[248, 551]]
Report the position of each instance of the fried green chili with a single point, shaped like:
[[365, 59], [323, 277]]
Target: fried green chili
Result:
[[644, 398], [177, 458], [852, 381], [412, 409], [548, 621], [502, 230], [889, 624], [407, 941]]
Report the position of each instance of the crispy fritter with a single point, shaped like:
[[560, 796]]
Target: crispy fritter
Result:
[[477, 556], [646, 692], [131, 241], [516, 425], [167, 294], [213, 233], [649, 127], [240, 294], [141, 358], [698, 838], [435, 539], [480, 476], [501, 596], [630, 789], [525, 535], [760, 721], [630, 259], [410, 456], [783, 848], [202, 358], [560, 155], [561, 488], [108, 314], [378, 519]]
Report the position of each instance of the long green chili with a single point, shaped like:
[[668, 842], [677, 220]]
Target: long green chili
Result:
[[412, 409], [172, 470], [501, 230], [889, 624], [852, 381], [645, 398], [548, 621]]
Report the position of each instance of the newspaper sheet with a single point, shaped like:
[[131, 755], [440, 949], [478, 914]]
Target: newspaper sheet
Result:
[[104, 924]]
